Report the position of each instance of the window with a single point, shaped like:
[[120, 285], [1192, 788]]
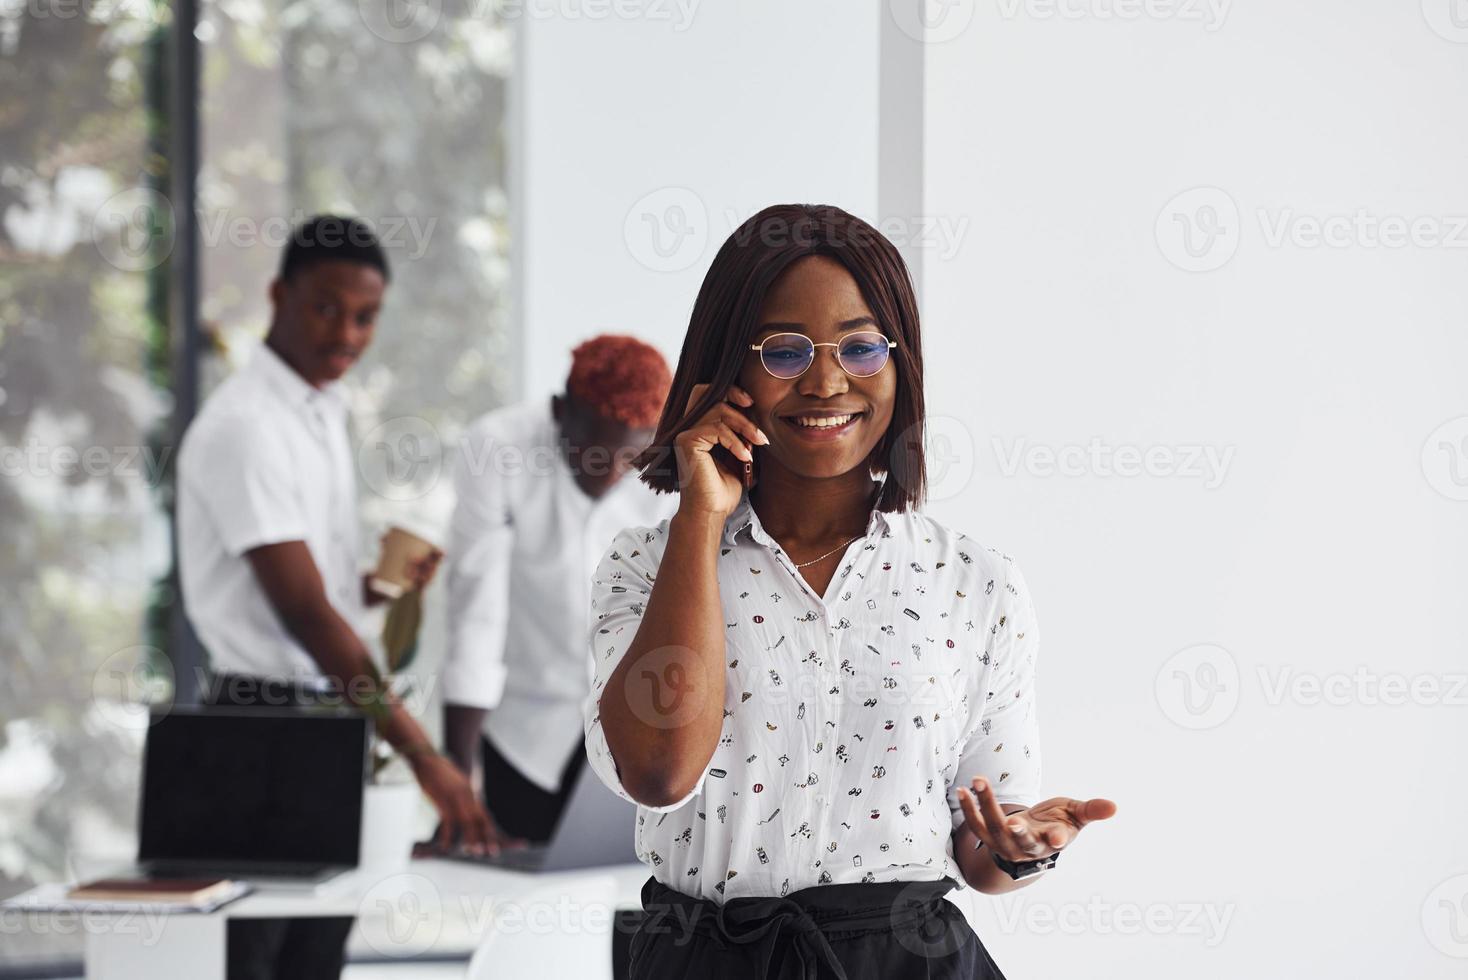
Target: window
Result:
[[303, 106]]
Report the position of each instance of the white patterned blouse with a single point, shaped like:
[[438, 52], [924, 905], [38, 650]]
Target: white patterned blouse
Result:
[[850, 719]]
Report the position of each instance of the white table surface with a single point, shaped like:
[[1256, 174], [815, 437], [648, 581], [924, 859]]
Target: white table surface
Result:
[[429, 908]]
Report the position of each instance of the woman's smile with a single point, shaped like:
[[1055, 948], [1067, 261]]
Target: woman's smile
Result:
[[823, 426]]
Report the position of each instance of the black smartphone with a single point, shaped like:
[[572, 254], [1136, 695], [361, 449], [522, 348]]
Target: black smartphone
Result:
[[735, 465]]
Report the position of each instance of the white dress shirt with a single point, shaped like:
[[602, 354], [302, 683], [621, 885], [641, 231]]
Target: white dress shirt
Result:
[[850, 719], [268, 459], [523, 542]]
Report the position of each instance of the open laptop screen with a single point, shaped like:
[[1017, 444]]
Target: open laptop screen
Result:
[[253, 785]]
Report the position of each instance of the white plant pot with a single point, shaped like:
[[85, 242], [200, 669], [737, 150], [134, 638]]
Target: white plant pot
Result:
[[389, 823]]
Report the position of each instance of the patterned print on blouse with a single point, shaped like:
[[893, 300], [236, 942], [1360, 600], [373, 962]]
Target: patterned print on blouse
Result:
[[850, 719]]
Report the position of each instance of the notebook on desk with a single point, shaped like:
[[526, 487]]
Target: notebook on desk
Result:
[[56, 897], [158, 894]]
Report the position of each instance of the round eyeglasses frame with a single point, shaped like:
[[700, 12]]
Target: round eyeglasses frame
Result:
[[791, 333]]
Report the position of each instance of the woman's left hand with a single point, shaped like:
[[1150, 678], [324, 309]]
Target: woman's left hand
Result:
[[1029, 834]]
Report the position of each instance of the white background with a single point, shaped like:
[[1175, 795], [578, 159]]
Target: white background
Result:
[[1321, 829], [721, 114], [1260, 832]]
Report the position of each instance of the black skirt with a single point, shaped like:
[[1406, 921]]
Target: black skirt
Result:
[[852, 931]]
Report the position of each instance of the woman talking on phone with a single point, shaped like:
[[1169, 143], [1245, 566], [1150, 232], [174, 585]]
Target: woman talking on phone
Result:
[[822, 700]]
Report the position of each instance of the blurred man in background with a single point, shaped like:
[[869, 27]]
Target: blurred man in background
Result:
[[268, 550], [542, 489]]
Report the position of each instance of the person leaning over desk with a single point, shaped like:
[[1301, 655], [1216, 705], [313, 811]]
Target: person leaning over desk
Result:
[[821, 699], [268, 555], [541, 488]]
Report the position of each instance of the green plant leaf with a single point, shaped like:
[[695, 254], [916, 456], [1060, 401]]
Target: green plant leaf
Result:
[[400, 631]]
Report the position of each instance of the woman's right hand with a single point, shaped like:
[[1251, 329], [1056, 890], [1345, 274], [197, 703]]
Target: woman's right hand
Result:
[[705, 486]]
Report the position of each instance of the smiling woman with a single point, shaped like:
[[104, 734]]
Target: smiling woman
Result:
[[798, 681], [851, 285]]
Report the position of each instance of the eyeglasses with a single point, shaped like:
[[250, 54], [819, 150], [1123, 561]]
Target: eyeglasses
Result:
[[789, 355]]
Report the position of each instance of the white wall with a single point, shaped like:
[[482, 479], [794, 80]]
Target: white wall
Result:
[[1259, 831], [633, 127], [1329, 835]]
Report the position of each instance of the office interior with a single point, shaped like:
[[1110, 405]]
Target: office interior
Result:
[[1193, 286]]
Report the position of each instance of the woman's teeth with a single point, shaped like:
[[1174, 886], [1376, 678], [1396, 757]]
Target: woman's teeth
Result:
[[824, 423], [827, 422]]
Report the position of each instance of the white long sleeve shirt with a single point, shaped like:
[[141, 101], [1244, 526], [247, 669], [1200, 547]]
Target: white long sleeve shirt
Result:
[[850, 719], [523, 542]]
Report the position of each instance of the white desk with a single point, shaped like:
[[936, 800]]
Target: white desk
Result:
[[432, 908]]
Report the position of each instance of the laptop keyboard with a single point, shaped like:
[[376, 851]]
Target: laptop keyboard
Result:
[[528, 858]]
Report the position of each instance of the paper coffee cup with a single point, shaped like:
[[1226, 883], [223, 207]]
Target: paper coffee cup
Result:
[[401, 549]]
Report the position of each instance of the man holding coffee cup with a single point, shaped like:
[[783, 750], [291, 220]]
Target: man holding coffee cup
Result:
[[268, 552], [406, 559], [542, 489]]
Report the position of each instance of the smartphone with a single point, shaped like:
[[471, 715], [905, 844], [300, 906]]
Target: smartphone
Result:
[[735, 465]]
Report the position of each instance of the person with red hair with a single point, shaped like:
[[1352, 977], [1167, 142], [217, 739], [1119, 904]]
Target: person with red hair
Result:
[[621, 379], [541, 493]]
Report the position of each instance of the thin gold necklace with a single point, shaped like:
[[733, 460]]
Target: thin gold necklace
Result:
[[802, 564]]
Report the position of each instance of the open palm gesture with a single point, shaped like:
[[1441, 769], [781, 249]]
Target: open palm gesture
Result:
[[1032, 833]]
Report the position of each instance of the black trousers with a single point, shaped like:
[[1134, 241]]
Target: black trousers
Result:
[[286, 949], [849, 931], [278, 949], [520, 807]]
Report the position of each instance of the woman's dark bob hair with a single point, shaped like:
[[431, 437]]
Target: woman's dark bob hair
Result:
[[726, 318]]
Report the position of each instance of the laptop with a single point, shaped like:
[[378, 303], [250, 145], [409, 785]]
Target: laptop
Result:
[[259, 795], [596, 828]]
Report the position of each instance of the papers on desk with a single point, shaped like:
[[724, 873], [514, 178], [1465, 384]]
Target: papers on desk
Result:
[[134, 895]]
